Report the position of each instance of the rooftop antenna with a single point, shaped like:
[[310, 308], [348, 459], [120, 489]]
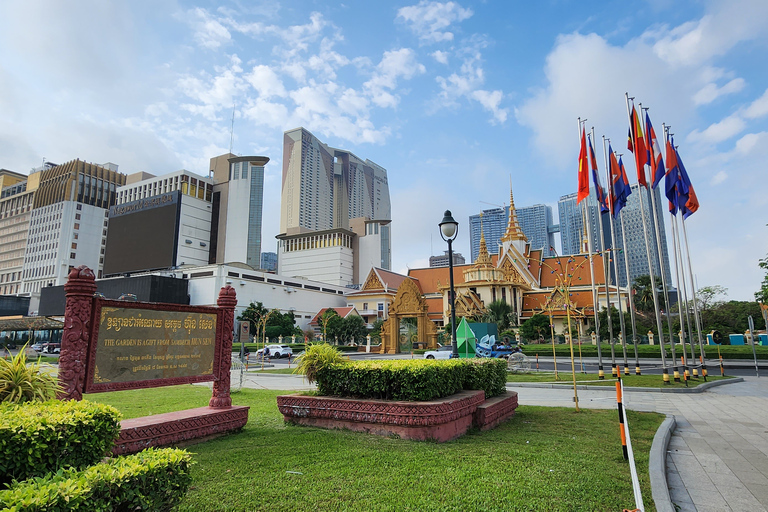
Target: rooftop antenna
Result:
[[232, 130]]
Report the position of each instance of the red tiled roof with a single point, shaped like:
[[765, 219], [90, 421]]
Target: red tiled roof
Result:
[[343, 313]]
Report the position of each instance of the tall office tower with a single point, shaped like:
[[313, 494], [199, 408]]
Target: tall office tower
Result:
[[535, 221], [325, 187], [635, 248], [238, 203], [572, 230], [269, 261], [159, 223], [68, 222], [442, 261], [15, 210]]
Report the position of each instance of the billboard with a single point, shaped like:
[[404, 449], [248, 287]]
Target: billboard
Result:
[[143, 235]]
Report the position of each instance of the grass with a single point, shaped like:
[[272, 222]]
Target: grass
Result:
[[542, 459], [632, 380]]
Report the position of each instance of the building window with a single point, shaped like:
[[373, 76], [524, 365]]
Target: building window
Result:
[[74, 245], [72, 255], [77, 216], [365, 306], [77, 225], [79, 207]]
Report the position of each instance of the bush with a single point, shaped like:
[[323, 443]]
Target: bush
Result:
[[316, 357], [150, 480], [37, 438], [490, 375], [20, 382], [417, 380]]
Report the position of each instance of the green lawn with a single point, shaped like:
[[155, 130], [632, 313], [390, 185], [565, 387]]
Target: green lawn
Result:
[[632, 380], [542, 459]]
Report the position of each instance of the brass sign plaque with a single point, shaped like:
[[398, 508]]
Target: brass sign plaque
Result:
[[142, 344]]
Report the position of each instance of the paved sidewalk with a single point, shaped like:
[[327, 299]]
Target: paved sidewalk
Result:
[[717, 458]]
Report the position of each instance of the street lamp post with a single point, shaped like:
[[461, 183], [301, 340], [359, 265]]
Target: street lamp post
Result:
[[449, 230]]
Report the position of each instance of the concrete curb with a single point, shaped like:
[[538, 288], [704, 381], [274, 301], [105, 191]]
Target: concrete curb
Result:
[[698, 389], [657, 465]]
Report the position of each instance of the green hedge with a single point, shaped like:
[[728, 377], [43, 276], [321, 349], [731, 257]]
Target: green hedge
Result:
[[416, 380], [37, 438], [150, 480]]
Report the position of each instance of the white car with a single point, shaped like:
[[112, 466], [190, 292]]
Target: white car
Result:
[[277, 351], [440, 353]]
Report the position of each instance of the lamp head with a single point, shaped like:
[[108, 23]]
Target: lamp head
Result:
[[449, 228]]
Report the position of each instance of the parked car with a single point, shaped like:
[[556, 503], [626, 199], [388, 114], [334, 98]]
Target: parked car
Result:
[[440, 353], [37, 347], [276, 351], [52, 348]]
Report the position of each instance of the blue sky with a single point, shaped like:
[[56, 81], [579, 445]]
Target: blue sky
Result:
[[454, 99]]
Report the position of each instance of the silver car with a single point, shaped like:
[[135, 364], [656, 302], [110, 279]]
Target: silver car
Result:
[[440, 353]]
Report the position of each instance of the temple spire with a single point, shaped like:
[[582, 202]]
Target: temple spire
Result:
[[483, 258], [514, 232]]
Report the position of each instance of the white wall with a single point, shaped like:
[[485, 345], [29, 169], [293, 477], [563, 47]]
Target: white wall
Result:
[[195, 227], [304, 302], [327, 264]]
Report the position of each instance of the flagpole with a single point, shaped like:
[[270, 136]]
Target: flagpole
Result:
[[676, 372], [680, 286], [595, 298], [618, 292], [649, 252], [631, 301], [693, 365], [695, 307], [606, 268]]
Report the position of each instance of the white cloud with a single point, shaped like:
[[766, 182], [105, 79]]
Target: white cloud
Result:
[[266, 82], [727, 23], [440, 56], [394, 65], [711, 91], [209, 32], [718, 132], [490, 101], [758, 108], [718, 178], [430, 20], [209, 94]]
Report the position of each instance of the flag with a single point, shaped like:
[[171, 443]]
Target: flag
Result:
[[654, 152], [636, 144], [686, 199], [670, 177], [599, 190], [583, 191], [619, 189]]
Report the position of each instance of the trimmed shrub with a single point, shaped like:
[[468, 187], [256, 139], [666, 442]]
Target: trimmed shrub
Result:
[[490, 375], [22, 382], [150, 480], [417, 380], [37, 438]]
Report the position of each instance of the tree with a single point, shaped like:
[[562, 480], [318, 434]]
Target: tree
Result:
[[253, 314], [500, 313], [282, 324], [762, 294], [706, 297], [603, 316], [535, 327], [353, 329], [643, 293], [331, 323]]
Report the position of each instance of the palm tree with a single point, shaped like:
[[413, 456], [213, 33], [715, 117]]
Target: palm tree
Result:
[[499, 313]]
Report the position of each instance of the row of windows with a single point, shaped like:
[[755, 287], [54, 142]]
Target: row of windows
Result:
[[317, 242], [188, 185]]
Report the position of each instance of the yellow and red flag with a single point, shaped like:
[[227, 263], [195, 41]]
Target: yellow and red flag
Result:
[[583, 190]]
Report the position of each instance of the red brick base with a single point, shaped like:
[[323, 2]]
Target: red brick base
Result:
[[440, 420], [180, 427]]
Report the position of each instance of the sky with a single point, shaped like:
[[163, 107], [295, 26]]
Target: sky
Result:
[[455, 99]]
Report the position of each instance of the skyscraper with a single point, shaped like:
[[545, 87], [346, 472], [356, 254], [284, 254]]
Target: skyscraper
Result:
[[572, 230], [535, 221], [324, 187], [572, 233]]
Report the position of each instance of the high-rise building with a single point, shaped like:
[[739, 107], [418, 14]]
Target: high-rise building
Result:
[[335, 213], [159, 222], [15, 211], [269, 261], [324, 188], [237, 204], [632, 226], [442, 261], [572, 231], [68, 222], [535, 221]]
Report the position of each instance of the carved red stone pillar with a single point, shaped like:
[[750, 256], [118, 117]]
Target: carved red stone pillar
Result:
[[79, 290], [227, 301]]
